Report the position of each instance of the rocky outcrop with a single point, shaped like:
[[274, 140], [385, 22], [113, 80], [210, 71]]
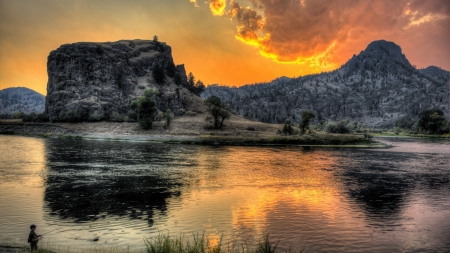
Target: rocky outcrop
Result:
[[98, 81], [375, 87], [22, 100]]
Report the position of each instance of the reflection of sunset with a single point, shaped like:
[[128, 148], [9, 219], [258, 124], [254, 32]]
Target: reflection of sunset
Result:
[[282, 189], [21, 181]]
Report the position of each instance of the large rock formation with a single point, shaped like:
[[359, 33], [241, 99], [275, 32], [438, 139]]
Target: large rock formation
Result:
[[22, 100], [375, 87], [98, 81]]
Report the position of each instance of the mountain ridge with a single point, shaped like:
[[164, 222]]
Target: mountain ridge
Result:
[[21, 100], [375, 87]]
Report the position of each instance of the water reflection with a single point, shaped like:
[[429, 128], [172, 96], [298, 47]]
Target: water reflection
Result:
[[89, 180], [326, 200], [383, 186]]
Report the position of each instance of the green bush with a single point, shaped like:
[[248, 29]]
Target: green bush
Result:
[[287, 128], [306, 117], [169, 118], [117, 117], [433, 121], [340, 127], [146, 108]]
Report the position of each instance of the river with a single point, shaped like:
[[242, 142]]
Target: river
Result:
[[319, 199]]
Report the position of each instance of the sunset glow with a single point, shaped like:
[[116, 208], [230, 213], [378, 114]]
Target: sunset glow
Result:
[[224, 42]]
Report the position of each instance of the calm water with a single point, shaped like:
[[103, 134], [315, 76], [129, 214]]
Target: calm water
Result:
[[323, 200]]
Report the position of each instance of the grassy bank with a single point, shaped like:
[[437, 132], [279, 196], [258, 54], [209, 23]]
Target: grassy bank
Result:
[[331, 140], [167, 244], [306, 140]]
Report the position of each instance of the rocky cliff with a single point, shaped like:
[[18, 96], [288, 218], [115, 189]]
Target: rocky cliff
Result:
[[21, 99], [98, 81], [375, 87]]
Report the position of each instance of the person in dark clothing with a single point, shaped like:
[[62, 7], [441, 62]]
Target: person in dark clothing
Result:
[[33, 238]]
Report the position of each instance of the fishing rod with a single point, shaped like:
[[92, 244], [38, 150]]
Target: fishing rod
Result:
[[48, 232]]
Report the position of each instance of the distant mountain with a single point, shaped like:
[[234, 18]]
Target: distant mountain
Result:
[[21, 99], [375, 87]]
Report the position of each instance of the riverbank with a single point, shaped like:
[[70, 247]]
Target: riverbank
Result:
[[164, 243], [183, 130]]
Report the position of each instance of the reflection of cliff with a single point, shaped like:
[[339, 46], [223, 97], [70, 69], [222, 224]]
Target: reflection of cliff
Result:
[[87, 180], [372, 184]]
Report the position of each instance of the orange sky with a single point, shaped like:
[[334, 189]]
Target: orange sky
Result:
[[221, 41]]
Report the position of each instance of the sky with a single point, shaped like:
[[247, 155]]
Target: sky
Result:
[[224, 42]]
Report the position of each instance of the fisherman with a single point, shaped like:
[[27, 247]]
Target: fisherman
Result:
[[33, 238]]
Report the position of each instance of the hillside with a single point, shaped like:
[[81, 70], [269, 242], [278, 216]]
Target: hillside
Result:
[[375, 87], [22, 100]]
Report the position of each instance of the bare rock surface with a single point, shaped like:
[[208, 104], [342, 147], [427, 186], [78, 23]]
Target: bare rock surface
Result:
[[97, 81]]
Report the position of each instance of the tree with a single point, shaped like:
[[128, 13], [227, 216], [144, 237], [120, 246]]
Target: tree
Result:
[[158, 74], [287, 128], [155, 38], [306, 117], [199, 87], [168, 116], [218, 111], [196, 87], [433, 121], [146, 106], [191, 80]]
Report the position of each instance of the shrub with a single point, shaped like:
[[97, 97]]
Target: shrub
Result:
[[433, 121], [117, 117], [146, 108], [306, 117], [340, 127], [218, 111], [168, 116], [287, 128]]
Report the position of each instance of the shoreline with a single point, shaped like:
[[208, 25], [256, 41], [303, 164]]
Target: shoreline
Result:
[[218, 137]]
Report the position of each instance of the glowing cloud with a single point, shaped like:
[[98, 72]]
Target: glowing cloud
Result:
[[217, 7], [194, 2], [315, 33], [424, 19]]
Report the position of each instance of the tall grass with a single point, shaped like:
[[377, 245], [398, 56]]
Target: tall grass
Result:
[[200, 244]]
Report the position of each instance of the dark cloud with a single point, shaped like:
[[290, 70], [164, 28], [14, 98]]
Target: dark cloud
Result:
[[249, 23], [319, 31]]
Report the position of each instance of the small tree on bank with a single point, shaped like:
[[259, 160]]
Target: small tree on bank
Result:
[[218, 110], [306, 117], [287, 128], [433, 121], [146, 107], [169, 118]]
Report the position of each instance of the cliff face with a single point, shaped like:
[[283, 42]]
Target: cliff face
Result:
[[94, 81], [375, 87]]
